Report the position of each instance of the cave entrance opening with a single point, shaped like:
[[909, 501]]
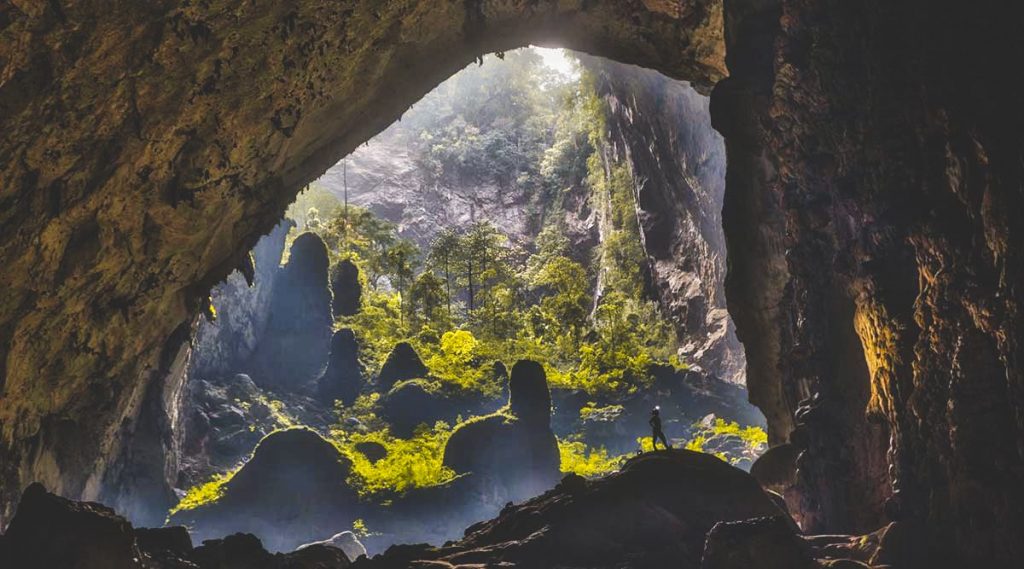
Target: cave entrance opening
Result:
[[539, 205]]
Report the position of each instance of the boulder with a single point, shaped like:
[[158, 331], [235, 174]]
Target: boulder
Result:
[[245, 551], [515, 450], [776, 468], [654, 512], [529, 396], [293, 490], [373, 451], [344, 377], [764, 542], [417, 402], [403, 363], [345, 541], [167, 540], [347, 290], [48, 531], [296, 342], [241, 387]]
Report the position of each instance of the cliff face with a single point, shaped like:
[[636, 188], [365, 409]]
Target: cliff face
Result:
[[874, 230], [662, 128], [242, 307]]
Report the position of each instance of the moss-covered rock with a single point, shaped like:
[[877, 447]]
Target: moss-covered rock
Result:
[[292, 491]]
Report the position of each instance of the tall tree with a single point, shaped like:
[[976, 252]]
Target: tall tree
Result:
[[443, 253], [479, 257], [400, 260]]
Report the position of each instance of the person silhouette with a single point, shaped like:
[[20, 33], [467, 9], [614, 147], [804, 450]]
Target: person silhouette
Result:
[[657, 433]]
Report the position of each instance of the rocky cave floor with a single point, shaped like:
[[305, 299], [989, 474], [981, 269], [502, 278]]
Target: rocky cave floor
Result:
[[662, 509]]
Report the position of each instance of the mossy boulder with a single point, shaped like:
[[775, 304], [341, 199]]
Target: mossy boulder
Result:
[[344, 377], [515, 450], [402, 364], [420, 401], [345, 285], [292, 491]]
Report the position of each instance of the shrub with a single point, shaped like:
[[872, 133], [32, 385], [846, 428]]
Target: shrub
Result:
[[409, 463]]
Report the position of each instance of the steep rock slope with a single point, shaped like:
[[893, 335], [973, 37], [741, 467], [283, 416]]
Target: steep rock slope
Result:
[[662, 128]]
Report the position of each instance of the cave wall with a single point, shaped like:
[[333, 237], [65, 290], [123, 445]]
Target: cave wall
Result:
[[873, 219], [147, 148], [662, 129], [873, 197]]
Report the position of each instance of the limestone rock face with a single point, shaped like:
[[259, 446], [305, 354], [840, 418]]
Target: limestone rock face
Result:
[[662, 129], [403, 363], [344, 376], [529, 397], [347, 289], [872, 216], [224, 345], [517, 451], [296, 343], [291, 490]]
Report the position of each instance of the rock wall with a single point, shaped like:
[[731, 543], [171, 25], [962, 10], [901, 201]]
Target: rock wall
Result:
[[662, 128], [223, 345], [874, 233]]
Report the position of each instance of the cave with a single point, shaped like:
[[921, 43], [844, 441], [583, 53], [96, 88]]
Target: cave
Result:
[[871, 220]]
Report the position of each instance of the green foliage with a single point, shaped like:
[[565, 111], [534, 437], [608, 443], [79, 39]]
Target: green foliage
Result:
[[495, 125], [205, 493], [312, 207], [409, 463], [457, 362], [752, 436], [578, 458]]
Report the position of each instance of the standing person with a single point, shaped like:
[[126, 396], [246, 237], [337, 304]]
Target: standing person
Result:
[[656, 432]]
